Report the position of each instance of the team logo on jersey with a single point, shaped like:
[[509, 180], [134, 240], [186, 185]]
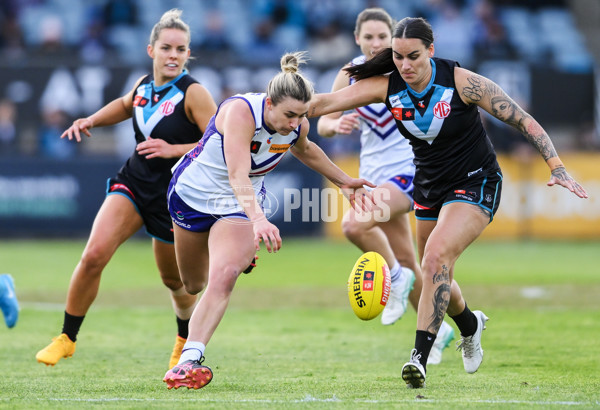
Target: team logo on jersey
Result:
[[403, 114], [279, 148], [255, 146], [140, 101], [167, 108], [441, 109]]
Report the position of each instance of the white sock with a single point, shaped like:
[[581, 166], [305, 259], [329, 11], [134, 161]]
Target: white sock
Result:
[[396, 273], [192, 351]]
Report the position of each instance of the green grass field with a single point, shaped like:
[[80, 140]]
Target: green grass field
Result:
[[290, 339]]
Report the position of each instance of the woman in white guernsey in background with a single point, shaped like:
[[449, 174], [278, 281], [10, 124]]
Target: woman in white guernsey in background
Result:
[[216, 194], [386, 159]]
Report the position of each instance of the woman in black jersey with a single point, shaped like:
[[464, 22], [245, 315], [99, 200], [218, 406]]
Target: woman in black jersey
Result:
[[170, 110], [457, 182]]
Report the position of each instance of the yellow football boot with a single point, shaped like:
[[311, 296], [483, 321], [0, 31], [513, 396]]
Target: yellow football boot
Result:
[[61, 347], [179, 342]]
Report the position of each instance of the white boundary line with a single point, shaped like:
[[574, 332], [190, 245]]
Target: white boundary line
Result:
[[308, 399]]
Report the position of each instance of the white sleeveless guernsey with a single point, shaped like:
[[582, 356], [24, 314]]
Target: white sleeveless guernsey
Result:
[[202, 179]]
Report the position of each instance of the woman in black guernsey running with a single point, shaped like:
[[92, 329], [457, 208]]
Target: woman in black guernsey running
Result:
[[169, 111]]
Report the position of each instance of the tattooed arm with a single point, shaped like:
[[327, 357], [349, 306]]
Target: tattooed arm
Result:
[[476, 89]]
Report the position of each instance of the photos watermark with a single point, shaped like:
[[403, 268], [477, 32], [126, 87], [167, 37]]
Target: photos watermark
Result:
[[308, 205], [329, 205]]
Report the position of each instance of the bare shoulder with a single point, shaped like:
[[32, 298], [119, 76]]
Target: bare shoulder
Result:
[[128, 98], [305, 127], [197, 88], [234, 111], [235, 105], [474, 88], [302, 143], [199, 94]]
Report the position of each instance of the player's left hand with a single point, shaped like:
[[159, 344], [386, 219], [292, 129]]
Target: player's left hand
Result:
[[266, 232], [561, 177], [154, 148], [360, 198]]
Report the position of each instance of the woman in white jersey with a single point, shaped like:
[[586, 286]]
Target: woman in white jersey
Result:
[[216, 194], [386, 159]]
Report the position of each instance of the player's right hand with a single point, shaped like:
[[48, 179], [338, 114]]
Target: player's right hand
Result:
[[347, 123], [81, 125]]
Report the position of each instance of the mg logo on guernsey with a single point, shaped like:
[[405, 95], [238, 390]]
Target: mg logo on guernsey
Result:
[[167, 108], [441, 110]]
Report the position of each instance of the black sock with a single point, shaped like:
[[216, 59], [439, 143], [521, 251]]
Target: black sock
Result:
[[71, 325], [423, 343], [466, 322], [183, 327]]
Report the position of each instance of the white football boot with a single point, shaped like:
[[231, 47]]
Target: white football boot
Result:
[[413, 372], [472, 353], [396, 304], [442, 341]]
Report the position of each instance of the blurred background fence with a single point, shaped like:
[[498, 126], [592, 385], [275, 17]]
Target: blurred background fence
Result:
[[64, 59]]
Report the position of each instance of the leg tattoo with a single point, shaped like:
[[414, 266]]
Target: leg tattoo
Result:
[[441, 299]]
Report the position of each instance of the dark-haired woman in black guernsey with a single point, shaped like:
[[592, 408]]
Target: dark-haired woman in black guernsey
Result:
[[458, 180]]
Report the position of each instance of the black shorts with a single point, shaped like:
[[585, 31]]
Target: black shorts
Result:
[[483, 191], [149, 203]]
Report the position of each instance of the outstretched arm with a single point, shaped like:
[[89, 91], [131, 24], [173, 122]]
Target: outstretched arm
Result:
[[112, 113], [479, 90], [359, 94], [311, 155]]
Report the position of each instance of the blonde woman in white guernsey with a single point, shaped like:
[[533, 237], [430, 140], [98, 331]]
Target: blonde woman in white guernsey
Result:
[[215, 199]]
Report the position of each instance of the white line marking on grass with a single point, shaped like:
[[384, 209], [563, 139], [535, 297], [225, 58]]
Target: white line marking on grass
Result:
[[310, 398], [51, 307], [533, 292], [43, 306]]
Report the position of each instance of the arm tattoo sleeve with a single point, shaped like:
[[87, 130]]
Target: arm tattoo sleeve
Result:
[[479, 88], [505, 109]]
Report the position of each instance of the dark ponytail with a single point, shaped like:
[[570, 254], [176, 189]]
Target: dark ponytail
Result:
[[381, 63]]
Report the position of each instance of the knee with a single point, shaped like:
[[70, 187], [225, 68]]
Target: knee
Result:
[[94, 259], [224, 278], [193, 287], [351, 228], [431, 264], [173, 283], [169, 274]]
